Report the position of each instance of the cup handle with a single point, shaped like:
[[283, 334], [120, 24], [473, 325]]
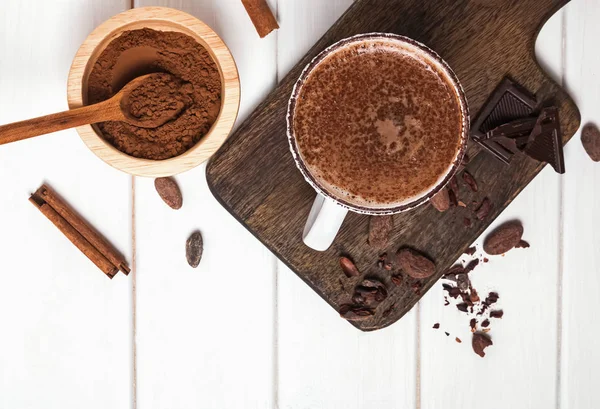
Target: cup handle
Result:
[[324, 221]]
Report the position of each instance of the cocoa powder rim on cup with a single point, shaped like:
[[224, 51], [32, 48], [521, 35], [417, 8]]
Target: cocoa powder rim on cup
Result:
[[443, 69]]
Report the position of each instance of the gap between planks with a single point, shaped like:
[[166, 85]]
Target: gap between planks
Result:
[[561, 229]]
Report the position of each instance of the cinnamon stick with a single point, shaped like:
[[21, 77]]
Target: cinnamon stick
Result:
[[91, 235], [78, 240], [81, 234], [263, 19]]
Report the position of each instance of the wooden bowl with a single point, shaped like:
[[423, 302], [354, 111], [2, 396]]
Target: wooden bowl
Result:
[[162, 19]]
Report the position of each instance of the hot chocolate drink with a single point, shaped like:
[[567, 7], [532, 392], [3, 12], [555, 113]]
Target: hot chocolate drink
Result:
[[378, 123]]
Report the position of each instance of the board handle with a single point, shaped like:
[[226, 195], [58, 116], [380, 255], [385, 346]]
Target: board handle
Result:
[[324, 222]]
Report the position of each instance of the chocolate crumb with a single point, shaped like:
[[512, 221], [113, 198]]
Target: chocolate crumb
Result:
[[470, 251], [471, 266], [436, 325], [458, 340], [480, 343], [496, 314], [470, 181], [485, 323], [447, 334], [522, 245], [462, 307], [446, 302], [486, 260], [484, 209], [473, 324], [474, 296], [491, 298]]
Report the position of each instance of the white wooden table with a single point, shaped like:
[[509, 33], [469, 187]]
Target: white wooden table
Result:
[[162, 338]]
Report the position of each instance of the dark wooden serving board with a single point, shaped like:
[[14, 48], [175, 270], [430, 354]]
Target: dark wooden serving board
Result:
[[254, 177]]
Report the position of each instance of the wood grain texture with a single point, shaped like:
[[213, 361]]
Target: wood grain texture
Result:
[[66, 340], [166, 19], [580, 370], [483, 44]]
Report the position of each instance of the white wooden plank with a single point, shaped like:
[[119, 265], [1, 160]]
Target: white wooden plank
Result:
[[520, 369], [205, 336], [581, 283], [66, 328], [323, 361]]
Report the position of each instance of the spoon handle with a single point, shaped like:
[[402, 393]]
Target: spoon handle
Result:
[[100, 112]]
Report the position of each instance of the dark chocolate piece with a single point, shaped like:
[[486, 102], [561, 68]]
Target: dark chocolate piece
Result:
[[545, 142], [507, 103]]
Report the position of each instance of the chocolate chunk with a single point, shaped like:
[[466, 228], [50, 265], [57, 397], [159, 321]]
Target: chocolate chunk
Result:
[[463, 282], [452, 197], [545, 143], [453, 271], [436, 326], [470, 181], [480, 343], [503, 239], [467, 222], [471, 266], [380, 228], [485, 323], [492, 298], [484, 209], [441, 201], [474, 297], [508, 102], [590, 139], [496, 314], [473, 324], [523, 245], [462, 307], [415, 264], [348, 267]]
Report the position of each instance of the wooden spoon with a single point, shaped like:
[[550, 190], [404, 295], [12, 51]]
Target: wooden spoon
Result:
[[113, 109]]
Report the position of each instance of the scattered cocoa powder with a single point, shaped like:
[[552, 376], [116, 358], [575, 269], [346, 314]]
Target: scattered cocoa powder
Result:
[[145, 51]]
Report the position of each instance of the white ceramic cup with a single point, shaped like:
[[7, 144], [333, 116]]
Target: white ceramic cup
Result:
[[329, 210]]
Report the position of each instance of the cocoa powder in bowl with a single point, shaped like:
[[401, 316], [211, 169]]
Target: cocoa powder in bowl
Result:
[[145, 51]]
